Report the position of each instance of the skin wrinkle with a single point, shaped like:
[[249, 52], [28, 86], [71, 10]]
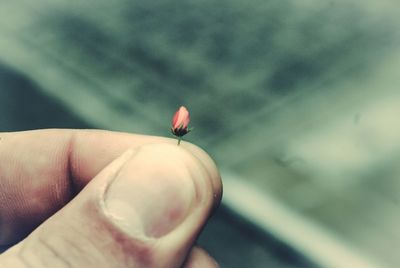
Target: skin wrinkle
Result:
[[78, 182], [78, 252], [56, 192], [69, 166], [72, 240], [82, 249], [12, 198], [2, 214], [20, 255], [58, 256], [74, 250], [2, 199]]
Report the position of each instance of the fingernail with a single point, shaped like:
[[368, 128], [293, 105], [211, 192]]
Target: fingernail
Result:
[[152, 192]]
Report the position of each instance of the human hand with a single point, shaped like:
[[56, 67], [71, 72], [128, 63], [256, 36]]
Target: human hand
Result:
[[103, 199]]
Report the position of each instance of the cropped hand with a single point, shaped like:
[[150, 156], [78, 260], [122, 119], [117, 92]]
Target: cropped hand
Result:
[[80, 198]]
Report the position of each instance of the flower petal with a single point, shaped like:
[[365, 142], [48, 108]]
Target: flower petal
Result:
[[181, 118]]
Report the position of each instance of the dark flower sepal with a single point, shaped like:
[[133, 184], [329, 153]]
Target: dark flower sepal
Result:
[[180, 132]]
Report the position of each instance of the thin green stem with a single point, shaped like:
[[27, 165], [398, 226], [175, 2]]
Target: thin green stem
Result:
[[179, 140]]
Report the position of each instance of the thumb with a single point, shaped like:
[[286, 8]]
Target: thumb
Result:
[[145, 209]]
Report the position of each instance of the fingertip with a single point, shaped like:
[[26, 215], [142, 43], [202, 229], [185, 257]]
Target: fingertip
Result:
[[199, 258]]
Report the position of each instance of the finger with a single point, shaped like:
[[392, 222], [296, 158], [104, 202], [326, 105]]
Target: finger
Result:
[[199, 258], [40, 171], [145, 209]]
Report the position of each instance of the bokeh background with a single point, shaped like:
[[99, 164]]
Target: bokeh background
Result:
[[297, 101]]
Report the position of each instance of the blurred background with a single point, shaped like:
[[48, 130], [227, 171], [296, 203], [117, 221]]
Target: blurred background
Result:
[[297, 101]]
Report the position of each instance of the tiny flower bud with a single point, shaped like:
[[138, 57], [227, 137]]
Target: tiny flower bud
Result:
[[180, 122]]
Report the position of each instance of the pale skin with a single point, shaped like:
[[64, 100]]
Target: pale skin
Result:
[[53, 184]]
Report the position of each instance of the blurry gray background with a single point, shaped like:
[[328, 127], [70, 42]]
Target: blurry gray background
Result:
[[298, 99]]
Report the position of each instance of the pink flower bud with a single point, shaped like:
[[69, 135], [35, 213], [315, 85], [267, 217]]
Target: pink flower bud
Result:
[[180, 122]]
